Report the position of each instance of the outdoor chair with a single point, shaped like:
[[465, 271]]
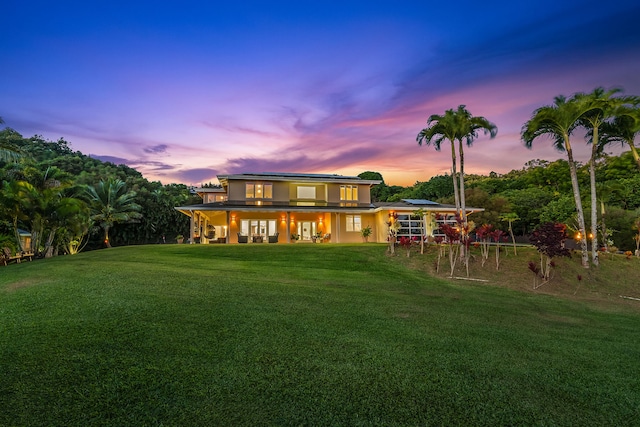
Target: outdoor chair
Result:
[[274, 238], [7, 257], [243, 239]]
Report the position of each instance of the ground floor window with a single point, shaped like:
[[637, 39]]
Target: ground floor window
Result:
[[354, 222], [258, 227]]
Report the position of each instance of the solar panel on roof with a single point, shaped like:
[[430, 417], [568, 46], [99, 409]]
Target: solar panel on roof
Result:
[[419, 202]]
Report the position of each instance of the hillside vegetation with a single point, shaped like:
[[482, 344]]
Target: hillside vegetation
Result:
[[312, 335]]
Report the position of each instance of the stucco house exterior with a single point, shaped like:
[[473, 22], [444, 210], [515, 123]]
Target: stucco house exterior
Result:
[[288, 207]]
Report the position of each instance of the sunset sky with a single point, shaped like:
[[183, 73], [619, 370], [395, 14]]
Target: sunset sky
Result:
[[183, 91]]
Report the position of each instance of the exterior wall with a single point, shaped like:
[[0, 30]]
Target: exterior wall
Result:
[[280, 191], [381, 231], [236, 190], [355, 236], [364, 194]]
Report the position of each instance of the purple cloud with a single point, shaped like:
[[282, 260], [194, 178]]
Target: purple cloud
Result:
[[157, 149]]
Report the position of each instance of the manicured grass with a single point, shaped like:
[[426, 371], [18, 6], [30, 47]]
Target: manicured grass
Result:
[[300, 335]]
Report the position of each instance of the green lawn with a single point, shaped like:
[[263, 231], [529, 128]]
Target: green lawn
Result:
[[300, 335]]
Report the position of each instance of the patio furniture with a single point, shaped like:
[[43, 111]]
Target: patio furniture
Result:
[[243, 239], [6, 256], [257, 239], [274, 238]]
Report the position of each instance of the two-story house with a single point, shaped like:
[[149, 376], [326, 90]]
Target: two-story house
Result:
[[285, 207]]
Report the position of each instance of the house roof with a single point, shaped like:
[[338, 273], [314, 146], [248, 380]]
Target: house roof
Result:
[[415, 204], [296, 177]]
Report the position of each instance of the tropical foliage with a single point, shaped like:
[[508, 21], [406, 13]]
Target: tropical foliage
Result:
[[68, 201]]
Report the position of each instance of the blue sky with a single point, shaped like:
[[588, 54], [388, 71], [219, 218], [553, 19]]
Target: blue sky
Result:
[[183, 91]]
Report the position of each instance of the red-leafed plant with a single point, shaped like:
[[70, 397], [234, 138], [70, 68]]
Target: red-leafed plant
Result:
[[483, 234], [549, 239], [406, 243]]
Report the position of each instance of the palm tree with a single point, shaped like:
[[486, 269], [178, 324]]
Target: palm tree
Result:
[[599, 107], [468, 131], [438, 129], [8, 151], [459, 126], [110, 203], [623, 129], [16, 198], [558, 122]]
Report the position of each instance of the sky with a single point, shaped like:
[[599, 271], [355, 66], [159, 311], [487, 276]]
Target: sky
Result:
[[184, 91]]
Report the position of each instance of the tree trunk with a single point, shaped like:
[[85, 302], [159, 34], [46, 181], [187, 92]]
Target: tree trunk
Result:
[[463, 204], [579, 210], [605, 238], [17, 233], [49, 245], [634, 152], [454, 175], [106, 237], [513, 239], [594, 200]]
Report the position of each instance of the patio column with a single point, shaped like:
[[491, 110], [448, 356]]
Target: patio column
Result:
[[228, 226], [191, 226], [288, 227]]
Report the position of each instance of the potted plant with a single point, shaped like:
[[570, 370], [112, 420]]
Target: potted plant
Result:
[[180, 238], [294, 237], [366, 232]]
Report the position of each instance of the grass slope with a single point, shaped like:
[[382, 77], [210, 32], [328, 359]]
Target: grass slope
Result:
[[300, 335]]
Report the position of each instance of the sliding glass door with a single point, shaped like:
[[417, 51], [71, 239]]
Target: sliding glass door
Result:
[[258, 227]]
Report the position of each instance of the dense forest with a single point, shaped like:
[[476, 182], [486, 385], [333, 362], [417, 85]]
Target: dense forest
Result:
[[54, 193]]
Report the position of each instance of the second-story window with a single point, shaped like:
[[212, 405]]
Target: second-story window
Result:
[[348, 192], [258, 191], [306, 192]]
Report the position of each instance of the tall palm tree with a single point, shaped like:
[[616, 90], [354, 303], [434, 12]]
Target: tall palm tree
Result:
[[111, 203], [468, 127], [461, 126], [438, 129], [558, 122], [599, 107]]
